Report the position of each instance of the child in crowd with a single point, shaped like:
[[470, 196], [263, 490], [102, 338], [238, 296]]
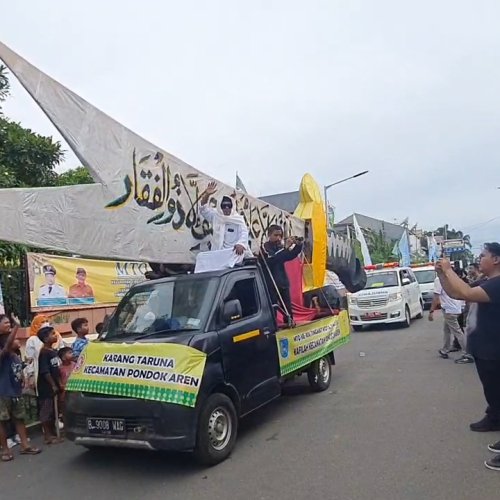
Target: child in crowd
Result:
[[67, 364], [81, 327], [11, 387], [49, 383]]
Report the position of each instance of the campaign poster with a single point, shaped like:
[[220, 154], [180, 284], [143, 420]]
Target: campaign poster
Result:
[[67, 282]]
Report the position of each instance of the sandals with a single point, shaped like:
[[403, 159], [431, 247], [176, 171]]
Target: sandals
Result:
[[30, 450], [7, 457], [53, 440]]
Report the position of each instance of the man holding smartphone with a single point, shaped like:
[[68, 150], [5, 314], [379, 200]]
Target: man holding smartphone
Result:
[[483, 332]]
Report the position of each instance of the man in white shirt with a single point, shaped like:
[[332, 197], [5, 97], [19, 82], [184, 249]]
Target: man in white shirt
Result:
[[452, 309], [51, 290], [229, 244]]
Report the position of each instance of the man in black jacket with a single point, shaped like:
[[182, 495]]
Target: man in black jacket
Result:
[[274, 254]]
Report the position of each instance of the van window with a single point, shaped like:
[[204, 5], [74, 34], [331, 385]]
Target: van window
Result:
[[245, 291], [404, 274], [425, 276], [381, 280]]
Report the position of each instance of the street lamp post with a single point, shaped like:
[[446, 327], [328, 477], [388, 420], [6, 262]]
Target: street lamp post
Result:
[[326, 188]]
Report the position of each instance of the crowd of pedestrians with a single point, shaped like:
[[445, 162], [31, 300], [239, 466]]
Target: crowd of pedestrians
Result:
[[44, 372]]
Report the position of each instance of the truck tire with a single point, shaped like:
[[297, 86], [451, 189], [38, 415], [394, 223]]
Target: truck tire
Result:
[[320, 374], [357, 328], [217, 430]]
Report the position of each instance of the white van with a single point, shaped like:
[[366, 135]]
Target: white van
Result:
[[392, 295], [426, 274]]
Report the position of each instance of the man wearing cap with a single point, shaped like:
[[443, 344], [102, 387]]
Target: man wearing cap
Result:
[[80, 290], [51, 290], [229, 233]]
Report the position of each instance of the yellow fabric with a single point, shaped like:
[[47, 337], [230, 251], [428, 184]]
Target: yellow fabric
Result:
[[311, 209]]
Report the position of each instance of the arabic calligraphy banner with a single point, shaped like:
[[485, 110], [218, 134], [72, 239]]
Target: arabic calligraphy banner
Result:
[[145, 205], [66, 282]]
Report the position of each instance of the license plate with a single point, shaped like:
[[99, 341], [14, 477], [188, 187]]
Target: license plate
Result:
[[372, 315], [106, 426]]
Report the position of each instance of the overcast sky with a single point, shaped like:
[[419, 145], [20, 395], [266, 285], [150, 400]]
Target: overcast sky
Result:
[[408, 90]]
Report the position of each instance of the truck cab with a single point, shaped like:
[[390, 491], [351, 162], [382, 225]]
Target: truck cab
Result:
[[224, 325], [391, 295]]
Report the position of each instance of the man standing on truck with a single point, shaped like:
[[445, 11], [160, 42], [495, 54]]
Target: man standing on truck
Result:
[[229, 234], [274, 255]]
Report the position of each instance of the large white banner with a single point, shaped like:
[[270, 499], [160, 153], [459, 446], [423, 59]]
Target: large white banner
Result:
[[145, 206]]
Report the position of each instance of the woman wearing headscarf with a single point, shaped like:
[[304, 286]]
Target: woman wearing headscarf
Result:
[[33, 347]]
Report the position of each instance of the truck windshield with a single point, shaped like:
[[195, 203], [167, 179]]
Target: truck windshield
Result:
[[381, 280], [172, 306], [425, 276]]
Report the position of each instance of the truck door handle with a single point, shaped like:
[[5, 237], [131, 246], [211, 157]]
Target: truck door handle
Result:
[[266, 331]]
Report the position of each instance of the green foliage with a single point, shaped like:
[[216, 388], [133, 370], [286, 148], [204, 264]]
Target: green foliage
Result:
[[26, 158], [380, 249], [4, 83], [78, 175]]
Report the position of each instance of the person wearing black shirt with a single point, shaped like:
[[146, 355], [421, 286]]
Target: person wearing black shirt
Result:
[[49, 383], [483, 332], [274, 255]]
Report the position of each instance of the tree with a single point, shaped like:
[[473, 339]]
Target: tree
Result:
[[78, 175], [380, 249], [4, 85]]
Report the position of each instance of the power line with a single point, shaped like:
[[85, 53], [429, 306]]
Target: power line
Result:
[[480, 224]]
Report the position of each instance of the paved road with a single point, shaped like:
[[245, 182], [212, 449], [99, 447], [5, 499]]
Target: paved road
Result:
[[392, 426]]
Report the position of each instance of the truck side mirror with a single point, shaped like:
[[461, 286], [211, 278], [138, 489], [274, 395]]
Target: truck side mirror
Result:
[[231, 311]]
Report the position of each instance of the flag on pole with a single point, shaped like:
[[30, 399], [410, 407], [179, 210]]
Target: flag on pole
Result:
[[432, 248], [395, 250], [239, 184], [330, 216], [360, 237], [404, 249]]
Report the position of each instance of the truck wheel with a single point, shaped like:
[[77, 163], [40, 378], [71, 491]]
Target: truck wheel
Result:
[[357, 328], [320, 374], [217, 429]]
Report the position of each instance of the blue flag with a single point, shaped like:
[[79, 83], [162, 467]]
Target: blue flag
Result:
[[404, 249]]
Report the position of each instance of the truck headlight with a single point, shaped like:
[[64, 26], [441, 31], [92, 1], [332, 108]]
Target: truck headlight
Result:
[[352, 300], [394, 297]]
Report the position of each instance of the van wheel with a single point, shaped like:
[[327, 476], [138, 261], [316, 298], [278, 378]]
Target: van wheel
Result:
[[320, 374], [420, 315], [217, 429], [357, 328], [406, 323]]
